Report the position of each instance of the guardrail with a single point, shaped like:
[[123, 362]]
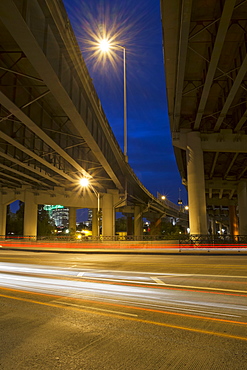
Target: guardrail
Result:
[[181, 239], [150, 245], [213, 240]]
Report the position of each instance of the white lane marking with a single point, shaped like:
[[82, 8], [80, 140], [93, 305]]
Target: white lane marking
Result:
[[162, 273], [160, 282], [94, 308], [80, 273], [150, 305]]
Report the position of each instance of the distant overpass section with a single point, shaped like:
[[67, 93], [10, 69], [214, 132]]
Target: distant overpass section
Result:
[[53, 128]]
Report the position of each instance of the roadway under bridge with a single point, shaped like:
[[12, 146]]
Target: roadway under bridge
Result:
[[53, 129], [205, 49]]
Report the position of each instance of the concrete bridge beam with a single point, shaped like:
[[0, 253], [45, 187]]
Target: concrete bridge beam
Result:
[[233, 220], [242, 207], [138, 224], [3, 214], [72, 219], [196, 185], [108, 215], [95, 222], [30, 215], [129, 225]]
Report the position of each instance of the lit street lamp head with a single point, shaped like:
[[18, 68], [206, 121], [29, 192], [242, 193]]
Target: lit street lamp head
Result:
[[84, 182], [104, 45]]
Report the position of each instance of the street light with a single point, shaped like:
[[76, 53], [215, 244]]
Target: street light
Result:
[[85, 183], [105, 46]]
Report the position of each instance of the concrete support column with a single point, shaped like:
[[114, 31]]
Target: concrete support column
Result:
[[138, 226], [196, 185], [72, 219], [95, 222], [3, 215], [155, 227], [242, 207], [210, 229], [30, 216], [108, 221], [213, 225], [233, 220], [129, 225]]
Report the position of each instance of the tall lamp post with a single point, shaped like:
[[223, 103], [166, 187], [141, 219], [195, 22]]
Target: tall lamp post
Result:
[[106, 46]]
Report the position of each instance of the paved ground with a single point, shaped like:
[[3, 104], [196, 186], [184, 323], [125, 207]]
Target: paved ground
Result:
[[122, 311]]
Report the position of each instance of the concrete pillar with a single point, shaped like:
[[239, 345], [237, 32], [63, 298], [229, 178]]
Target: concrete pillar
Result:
[[30, 216], [242, 207], [138, 224], [233, 220], [72, 219], [210, 229], [196, 185], [213, 225], [3, 215], [107, 215], [129, 225], [95, 222], [155, 227]]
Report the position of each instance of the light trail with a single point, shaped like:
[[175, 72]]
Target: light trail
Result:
[[112, 286], [158, 281]]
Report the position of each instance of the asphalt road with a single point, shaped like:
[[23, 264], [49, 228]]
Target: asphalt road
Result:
[[98, 311]]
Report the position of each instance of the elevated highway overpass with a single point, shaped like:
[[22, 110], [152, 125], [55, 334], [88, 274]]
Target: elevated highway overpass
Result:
[[53, 130], [205, 57]]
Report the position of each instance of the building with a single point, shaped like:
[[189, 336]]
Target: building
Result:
[[59, 214]]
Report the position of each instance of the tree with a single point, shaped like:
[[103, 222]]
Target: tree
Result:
[[121, 224], [45, 223], [169, 229]]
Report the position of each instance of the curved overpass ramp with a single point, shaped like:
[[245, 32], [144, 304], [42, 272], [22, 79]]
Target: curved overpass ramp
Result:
[[53, 128]]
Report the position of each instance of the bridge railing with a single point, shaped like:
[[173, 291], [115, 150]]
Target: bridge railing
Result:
[[182, 240], [212, 240]]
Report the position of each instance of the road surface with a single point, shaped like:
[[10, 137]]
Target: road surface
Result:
[[82, 311]]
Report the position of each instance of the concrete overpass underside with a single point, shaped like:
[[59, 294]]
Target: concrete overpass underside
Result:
[[53, 130], [205, 52]]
